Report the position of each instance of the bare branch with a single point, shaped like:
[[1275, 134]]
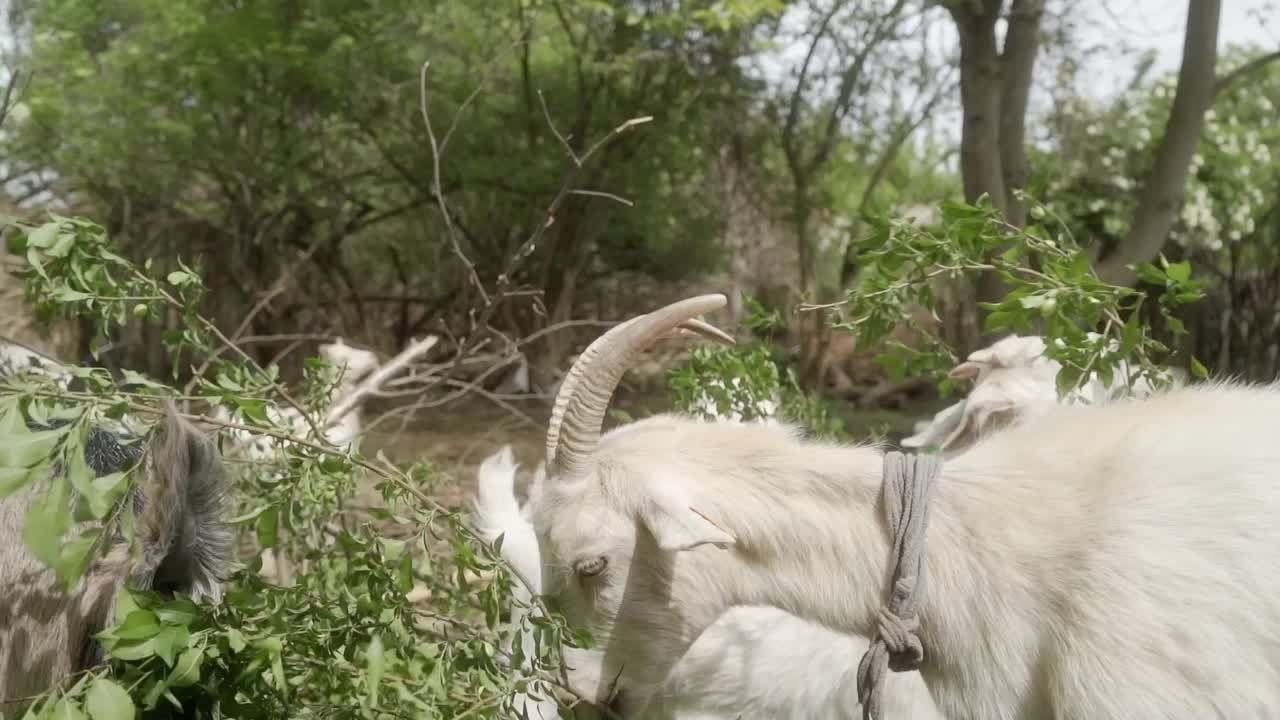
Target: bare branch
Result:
[[564, 141], [1225, 82], [437, 186], [607, 196], [347, 403]]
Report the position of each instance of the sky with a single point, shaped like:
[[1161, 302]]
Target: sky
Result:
[[1159, 25]]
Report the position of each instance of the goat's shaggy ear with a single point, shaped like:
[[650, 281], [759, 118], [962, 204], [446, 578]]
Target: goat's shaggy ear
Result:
[[672, 517], [935, 432], [980, 415], [186, 546], [967, 370]]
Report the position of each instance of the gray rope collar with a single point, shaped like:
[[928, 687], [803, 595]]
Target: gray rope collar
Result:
[[906, 485]]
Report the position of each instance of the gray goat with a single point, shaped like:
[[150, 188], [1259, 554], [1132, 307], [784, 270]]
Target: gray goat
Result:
[[46, 634]]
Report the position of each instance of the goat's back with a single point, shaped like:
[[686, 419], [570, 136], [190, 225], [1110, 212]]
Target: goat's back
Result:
[[1143, 536]]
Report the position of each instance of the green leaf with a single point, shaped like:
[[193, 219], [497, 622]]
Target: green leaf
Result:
[[267, 528], [63, 709], [24, 448], [108, 701], [186, 671], [43, 236], [138, 625], [126, 604], [1179, 271], [1132, 334], [177, 277], [1150, 274], [377, 664], [404, 576], [13, 480], [109, 488], [47, 520], [1198, 369], [170, 641], [62, 245], [179, 611], [133, 650], [66, 294], [235, 639], [75, 556]]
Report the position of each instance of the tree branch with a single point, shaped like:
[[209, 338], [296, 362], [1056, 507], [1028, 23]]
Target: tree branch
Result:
[[1225, 82]]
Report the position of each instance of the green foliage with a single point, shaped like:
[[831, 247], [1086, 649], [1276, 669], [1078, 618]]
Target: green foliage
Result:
[[260, 133], [1090, 327], [744, 383], [348, 637]]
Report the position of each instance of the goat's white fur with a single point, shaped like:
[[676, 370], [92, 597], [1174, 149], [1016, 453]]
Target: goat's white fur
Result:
[[1106, 561], [752, 662], [496, 512]]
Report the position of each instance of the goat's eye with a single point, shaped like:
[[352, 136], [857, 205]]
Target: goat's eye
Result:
[[590, 567]]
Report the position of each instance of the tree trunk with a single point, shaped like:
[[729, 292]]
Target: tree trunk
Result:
[[1161, 195], [995, 87], [980, 96], [1021, 45]]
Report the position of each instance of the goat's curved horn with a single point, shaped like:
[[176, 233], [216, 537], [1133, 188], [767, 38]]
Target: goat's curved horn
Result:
[[587, 388], [689, 328]]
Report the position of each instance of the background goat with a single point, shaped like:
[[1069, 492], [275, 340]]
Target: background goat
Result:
[[752, 662], [353, 365], [46, 634], [1013, 380], [1115, 560]]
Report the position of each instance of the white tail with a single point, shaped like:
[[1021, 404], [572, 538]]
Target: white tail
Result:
[[498, 513]]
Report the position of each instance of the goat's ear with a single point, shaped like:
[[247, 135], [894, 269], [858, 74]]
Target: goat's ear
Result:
[[966, 370], [980, 416], [673, 518], [936, 431]]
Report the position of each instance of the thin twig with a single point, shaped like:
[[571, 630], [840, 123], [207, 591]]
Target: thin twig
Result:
[[437, 185], [564, 141], [607, 196]]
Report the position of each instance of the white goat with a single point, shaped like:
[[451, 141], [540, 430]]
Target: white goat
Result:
[[1014, 380], [752, 662], [353, 365], [1096, 561], [498, 513]]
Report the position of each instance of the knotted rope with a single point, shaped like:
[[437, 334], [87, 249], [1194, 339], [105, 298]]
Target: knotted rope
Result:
[[906, 484]]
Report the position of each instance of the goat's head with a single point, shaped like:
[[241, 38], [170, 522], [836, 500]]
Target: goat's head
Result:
[[47, 634], [1010, 352], [353, 363], [1012, 381], [619, 502]]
